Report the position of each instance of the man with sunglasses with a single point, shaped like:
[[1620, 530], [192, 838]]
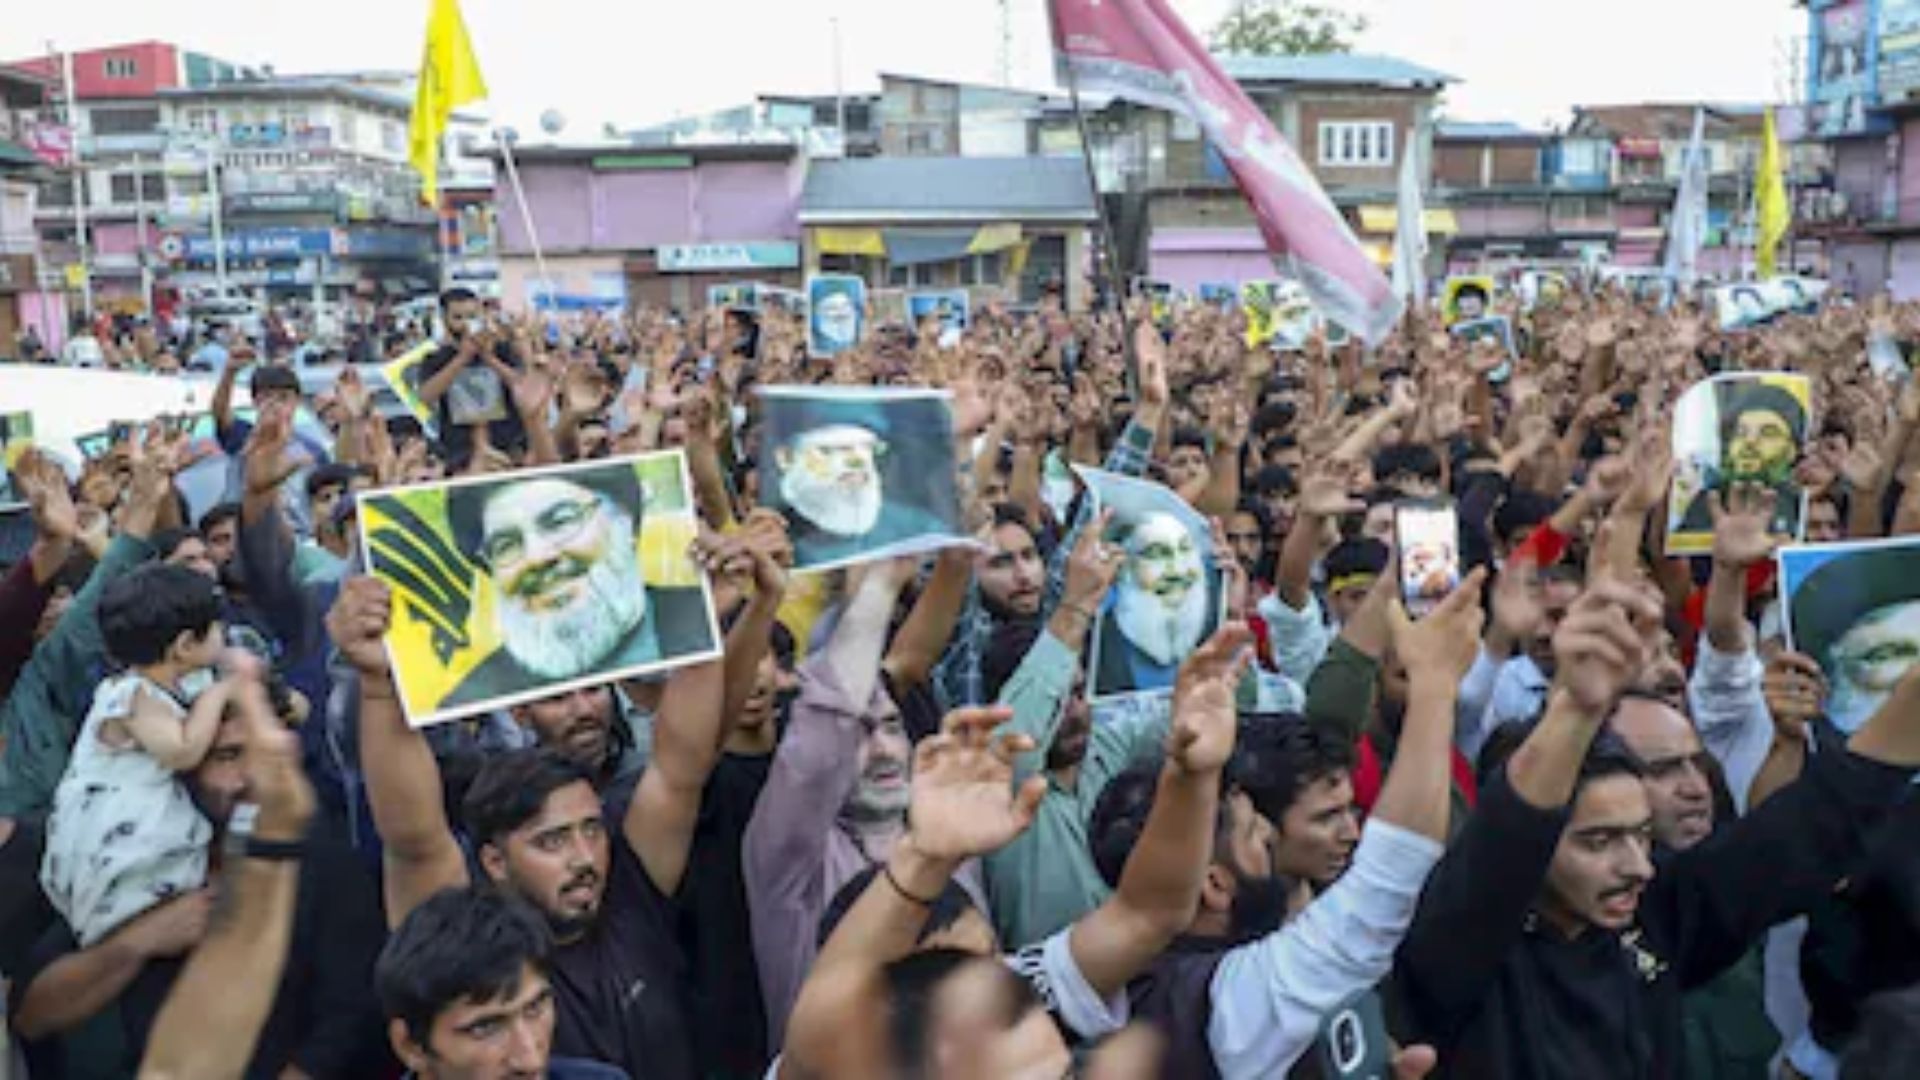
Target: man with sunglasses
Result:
[[560, 555]]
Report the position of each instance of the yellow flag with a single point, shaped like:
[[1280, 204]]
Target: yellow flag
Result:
[[1770, 200], [449, 78]]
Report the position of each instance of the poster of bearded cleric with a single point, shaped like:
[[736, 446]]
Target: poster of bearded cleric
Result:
[[860, 474], [1167, 598], [519, 585], [1854, 608], [1737, 429]]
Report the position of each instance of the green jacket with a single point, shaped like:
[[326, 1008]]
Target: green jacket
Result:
[[1045, 880], [42, 715], [1728, 1034]]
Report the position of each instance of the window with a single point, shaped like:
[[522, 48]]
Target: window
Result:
[[392, 138], [153, 188], [122, 67], [1356, 143], [126, 121], [205, 121], [980, 269]]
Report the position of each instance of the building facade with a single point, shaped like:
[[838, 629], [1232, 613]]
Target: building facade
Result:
[[620, 224]]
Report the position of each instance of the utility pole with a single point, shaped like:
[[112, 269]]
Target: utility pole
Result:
[[839, 88], [79, 181], [140, 243], [219, 233]]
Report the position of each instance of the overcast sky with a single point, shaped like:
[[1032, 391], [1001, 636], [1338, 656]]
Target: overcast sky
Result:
[[1526, 61]]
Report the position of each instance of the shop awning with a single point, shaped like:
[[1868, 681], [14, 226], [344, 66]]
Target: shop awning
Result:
[[916, 247], [838, 241], [996, 237], [1386, 219]]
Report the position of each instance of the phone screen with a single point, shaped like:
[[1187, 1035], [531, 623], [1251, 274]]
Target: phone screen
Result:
[[1427, 539]]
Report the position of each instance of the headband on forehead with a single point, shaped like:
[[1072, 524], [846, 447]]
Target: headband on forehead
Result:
[[1359, 579]]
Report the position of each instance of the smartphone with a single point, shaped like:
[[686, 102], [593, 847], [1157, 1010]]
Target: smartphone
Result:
[[1426, 534], [1353, 1043]]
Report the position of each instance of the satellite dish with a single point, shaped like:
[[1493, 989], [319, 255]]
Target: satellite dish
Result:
[[552, 121]]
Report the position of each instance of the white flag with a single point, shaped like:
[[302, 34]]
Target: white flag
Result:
[[1687, 228], [1410, 233]]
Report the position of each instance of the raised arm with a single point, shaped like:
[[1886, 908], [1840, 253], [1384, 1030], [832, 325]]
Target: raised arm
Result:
[[763, 553], [1475, 906], [1160, 886], [1045, 676], [434, 388], [1438, 650], [687, 735], [929, 626], [403, 781], [211, 1022], [1327, 494], [1740, 539], [222, 404], [964, 805]]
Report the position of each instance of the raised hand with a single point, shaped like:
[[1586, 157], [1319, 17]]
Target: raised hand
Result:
[[269, 461], [1864, 469], [276, 782], [352, 395], [1328, 490], [1607, 480], [1205, 719], [1743, 525], [1652, 471], [964, 803], [1152, 354], [1603, 642], [45, 486], [1440, 649], [1092, 566], [1794, 689], [358, 624]]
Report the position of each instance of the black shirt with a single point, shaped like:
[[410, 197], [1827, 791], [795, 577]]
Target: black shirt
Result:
[[620, 989], [477, 385], [729, 1015]]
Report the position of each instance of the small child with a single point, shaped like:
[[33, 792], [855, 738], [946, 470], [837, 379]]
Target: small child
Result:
[[125, 835]]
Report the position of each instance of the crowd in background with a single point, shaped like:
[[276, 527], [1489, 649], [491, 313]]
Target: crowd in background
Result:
[[1590, 817]]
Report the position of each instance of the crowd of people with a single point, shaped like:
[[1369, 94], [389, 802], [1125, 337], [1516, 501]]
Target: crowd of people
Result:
[[1590, 816]]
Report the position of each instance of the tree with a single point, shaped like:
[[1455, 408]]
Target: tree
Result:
[[1286, 28]]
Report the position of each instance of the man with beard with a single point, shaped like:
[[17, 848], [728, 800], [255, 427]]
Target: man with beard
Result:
[[1762, 427], [89, 1011], [1045, 878], [1859, 616], [592, 727], [1162, 607], [835, 799], [561, 558], [1009, 589], [1243, 992], [540, 832], [1550, 943], [464, 383], [833, 484]]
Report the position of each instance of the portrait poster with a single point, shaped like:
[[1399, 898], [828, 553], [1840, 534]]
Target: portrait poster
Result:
[[1741, 428], [515, 586], [1494, 328], [1168, 596], [1294, 319], [1843, 75], [735, 296], [860, 474], [16, 437], [952, 307], [1898, 69], [1219, 294], [1257, 299], [837, 313], [1160, 297], [783, 301], [1465, 298], [403, 378], [1854, 608]]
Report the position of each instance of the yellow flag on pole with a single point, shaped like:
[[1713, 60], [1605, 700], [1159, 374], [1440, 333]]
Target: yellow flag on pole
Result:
[[449, 78], [1770, 200]]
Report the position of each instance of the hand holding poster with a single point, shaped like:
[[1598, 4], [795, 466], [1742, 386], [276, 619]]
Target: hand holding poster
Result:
[[1168, 597], [1737, 429], [520, 585], [1855, 610], [837, 304], [952, 307], [860, 474]]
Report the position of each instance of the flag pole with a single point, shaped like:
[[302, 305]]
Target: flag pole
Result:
[[526, 215], [1116, 285]]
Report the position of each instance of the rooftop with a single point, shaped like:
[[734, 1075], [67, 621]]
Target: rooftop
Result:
[[1658, 120], [1498, 131], [946, 189], [1347, 69]]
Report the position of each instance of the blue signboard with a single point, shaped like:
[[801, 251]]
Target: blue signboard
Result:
[[263, 244]]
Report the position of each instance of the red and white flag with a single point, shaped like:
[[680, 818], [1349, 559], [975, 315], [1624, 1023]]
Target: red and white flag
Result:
[[1140, 50]]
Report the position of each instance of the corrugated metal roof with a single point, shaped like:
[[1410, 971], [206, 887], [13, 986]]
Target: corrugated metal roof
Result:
[[1332, 68], [1489, 132], [946, 188]]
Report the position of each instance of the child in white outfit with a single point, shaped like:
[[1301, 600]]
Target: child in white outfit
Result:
[[124, 835]]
